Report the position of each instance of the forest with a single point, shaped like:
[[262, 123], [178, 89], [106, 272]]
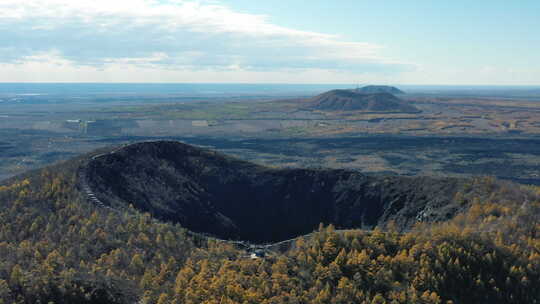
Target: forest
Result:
[[56, 247]]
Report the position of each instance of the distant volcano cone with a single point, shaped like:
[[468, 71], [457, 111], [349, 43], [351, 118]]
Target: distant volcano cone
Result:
[[351, 100], [372, 89]]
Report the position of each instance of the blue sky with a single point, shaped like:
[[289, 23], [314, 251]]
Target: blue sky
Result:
[[394, 42]]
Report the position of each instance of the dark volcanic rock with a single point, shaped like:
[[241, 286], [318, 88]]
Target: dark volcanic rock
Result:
[[208, 192], [372, 89], [350, 100]]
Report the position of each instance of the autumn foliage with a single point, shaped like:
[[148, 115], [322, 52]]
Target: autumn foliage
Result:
[[56, 247]]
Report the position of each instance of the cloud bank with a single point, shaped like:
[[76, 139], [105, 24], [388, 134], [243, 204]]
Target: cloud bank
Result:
[[173, 35]]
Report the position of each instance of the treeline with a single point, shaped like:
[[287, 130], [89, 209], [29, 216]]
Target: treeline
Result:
[[55, 247]]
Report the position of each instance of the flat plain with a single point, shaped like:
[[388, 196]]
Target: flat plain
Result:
[[456, 133]]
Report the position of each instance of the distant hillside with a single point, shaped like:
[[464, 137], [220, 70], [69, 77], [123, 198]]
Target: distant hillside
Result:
[[372, 89], [350, 100]]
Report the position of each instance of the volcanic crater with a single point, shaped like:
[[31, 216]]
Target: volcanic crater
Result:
[[209, 192]]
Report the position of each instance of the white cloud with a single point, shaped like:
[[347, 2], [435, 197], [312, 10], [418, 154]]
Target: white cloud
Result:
[[173, 35], [47, 68]]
